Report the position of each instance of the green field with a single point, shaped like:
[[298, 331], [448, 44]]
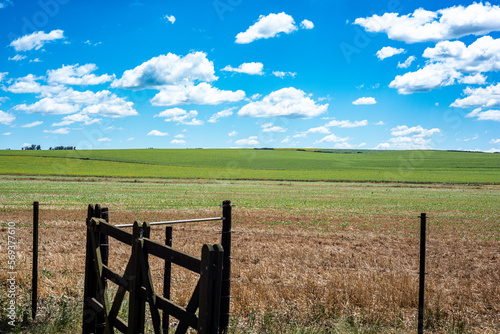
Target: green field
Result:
[[248, 164]]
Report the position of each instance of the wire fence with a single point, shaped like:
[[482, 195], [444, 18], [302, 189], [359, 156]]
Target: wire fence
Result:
[[273, 267]]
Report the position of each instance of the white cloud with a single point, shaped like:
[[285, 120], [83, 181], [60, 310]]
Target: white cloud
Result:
[[202, 93], [487, 115], [476, 79], [347, 123], [252, 68], [380, 123], [409, 138], [319, 129], [306, 24], [3, 75], [407, 62], [425, 79], [170, 18], [268, 127], [48, 106], [157, 133], [253, 140], [32, 124], [267, 27], [6, 133], [36, 60], [17, 57], [178, 141], [77, 75], [70, 119], [405, 143], [281, 74], [388, 51], [232, 133], [487, 97], [60, 131], [105, 139], [168, 69], [36, 40], [365, 101], [416, 131], [180, 116], [221, 114], [6, 118], [332, 138], [483, 55], [286, 102], [495, 141], [180, 135], [425, 26], [110, 106]]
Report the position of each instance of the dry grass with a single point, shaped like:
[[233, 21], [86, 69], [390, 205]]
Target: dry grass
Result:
[[299, 268]]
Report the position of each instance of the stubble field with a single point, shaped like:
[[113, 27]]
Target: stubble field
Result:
[[308, 257]]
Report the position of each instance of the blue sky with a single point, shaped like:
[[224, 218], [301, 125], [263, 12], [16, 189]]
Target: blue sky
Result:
[[238, 73]]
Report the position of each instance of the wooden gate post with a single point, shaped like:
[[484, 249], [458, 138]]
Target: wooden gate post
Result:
[[210, 289], [226, 267], [137, 306], [90, 285], [166, 279]]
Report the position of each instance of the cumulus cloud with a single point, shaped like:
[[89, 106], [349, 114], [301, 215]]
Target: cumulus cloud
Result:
[[286, 102], [180, 116], [428, 26], [232, 133], [487, 97], [81, 118], [202, 93], [77, 75], [247, 68], [487, 115], [332, 138], [48, 106], [495, 141], [221, 114], [168, 69], [36, 40], [407, 62], [268, 127], [483, 55], [347, 123], [409, 138], [476, 79], [170, 18], [365, 101], [416, 131], [388, 51], [306, 24], [425, 79], [267, 27], [6, 118], [60, 131], [281, 74], [17, 57], [178, 141], [157, 133], [251, 141]]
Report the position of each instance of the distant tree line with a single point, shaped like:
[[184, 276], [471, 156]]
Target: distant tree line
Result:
[[58, 148], [32, 148]]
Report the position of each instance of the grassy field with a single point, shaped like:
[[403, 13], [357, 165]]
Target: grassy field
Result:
[[308, 257], [247, 164]]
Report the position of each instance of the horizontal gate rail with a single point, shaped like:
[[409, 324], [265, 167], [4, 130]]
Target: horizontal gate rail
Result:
[[172, 222]]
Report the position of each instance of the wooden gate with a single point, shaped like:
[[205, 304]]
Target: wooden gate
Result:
[[101, 314]]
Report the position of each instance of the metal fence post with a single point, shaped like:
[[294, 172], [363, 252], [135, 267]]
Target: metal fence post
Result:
[[421, 287], [226, 267], [34, 276]]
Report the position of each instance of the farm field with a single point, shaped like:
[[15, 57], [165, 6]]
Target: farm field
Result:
[[309, 257], [248, 164]]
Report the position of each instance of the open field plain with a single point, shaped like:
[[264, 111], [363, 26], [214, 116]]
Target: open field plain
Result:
[[308, 257]]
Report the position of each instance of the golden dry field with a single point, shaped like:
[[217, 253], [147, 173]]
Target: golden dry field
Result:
[[306, 257]]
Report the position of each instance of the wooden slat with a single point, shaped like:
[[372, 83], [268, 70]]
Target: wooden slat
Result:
[[115, 277], [102, 226], [174, 310], [174, 256]]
